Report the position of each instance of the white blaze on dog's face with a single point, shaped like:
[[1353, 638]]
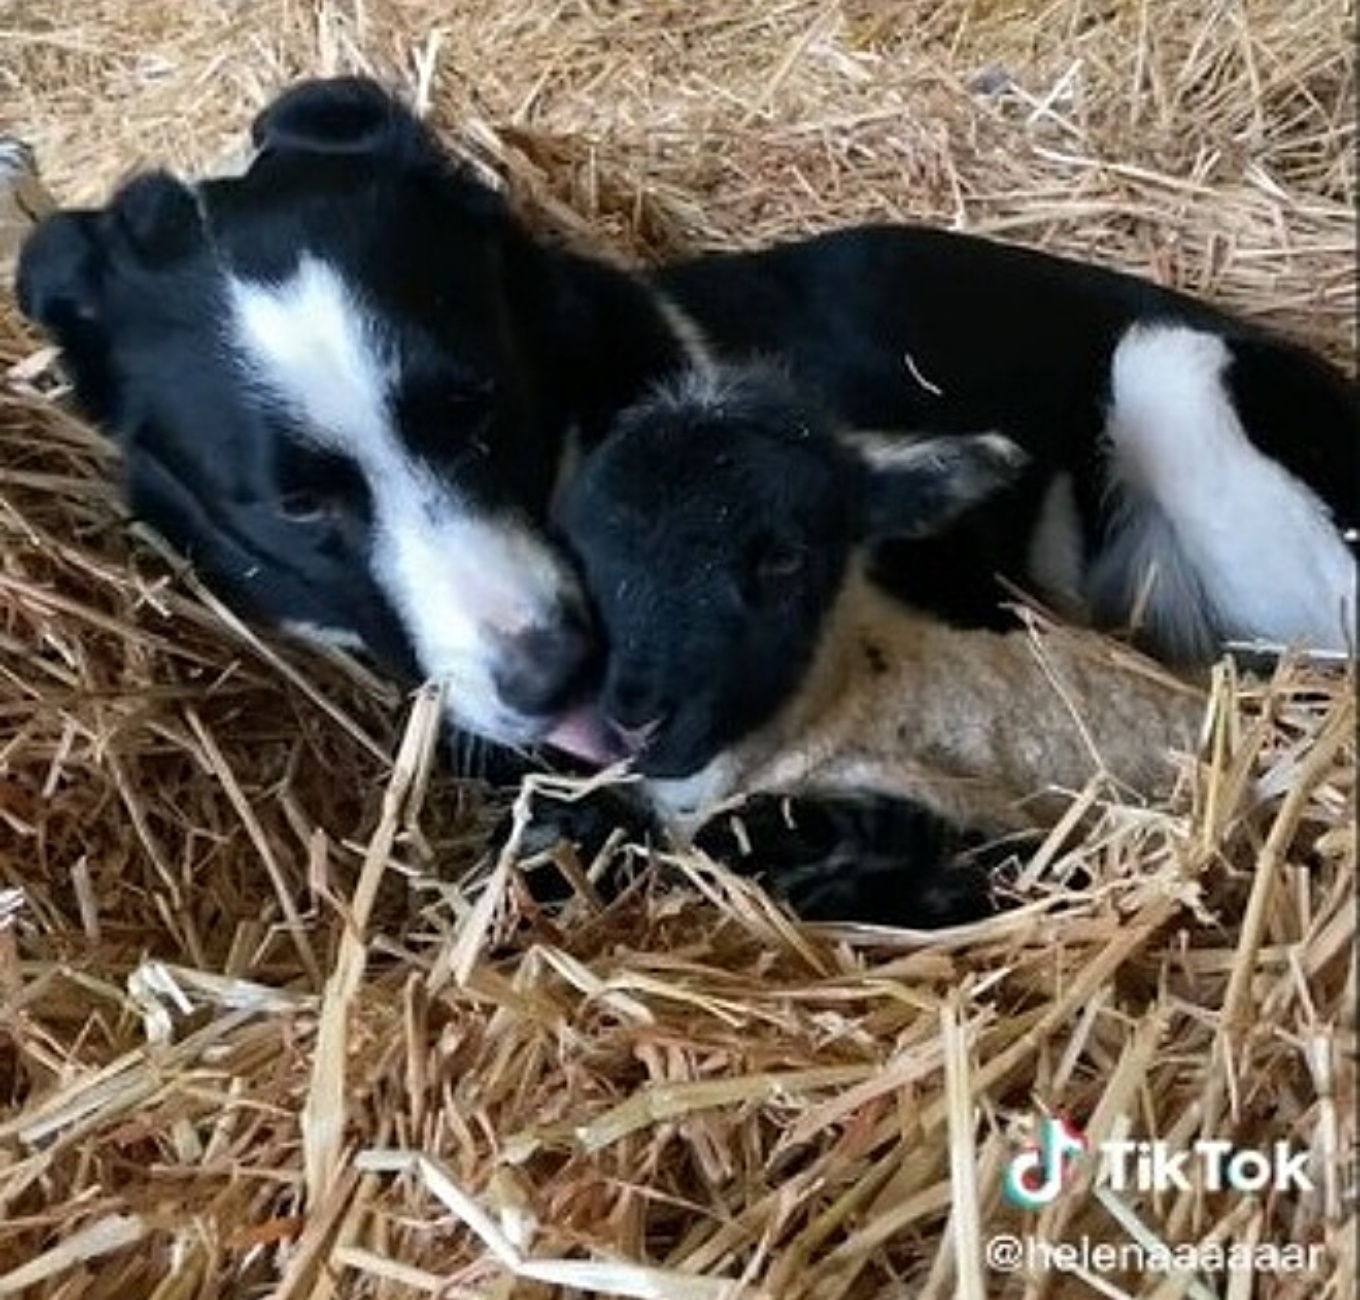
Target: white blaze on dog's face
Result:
[[490, 610]]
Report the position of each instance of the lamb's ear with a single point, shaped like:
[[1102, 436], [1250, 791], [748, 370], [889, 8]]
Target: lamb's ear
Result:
[[917, 487], [338, 115], [57, 280]]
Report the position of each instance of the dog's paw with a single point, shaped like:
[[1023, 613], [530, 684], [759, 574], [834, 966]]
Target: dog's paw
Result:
[[583, 827], [863, 859]]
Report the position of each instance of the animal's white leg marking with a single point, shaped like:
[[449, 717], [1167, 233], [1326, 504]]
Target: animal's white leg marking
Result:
[[1227, 526]]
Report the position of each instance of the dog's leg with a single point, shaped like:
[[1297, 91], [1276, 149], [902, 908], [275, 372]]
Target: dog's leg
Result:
[[1213, 539], [863, 858]]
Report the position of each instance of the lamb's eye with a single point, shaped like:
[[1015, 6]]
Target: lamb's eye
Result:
[[774, 568], [779, 563]]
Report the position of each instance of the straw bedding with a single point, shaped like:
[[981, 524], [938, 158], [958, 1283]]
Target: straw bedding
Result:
[[268, 1026]]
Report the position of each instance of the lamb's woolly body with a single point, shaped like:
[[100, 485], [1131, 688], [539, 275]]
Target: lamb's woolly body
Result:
[[984, 727]]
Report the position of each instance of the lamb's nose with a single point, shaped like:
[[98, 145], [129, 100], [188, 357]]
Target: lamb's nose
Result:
[[544, 667]]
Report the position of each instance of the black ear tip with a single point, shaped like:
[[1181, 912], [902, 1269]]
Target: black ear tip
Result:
[[56, 271], [158, 216], [330, 115]]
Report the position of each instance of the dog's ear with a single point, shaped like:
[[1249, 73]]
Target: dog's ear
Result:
[[57, 281], [355, 117], [60, 286], [70, 267], [153, 220], [156, 219], [339, 115]]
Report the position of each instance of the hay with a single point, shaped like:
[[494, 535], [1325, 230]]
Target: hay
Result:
[[259, 1035]]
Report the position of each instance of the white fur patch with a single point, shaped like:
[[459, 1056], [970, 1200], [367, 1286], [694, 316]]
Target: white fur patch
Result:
[[333, 638], [692, 341], [461, 580], [969, 455], [464, 584], [1262, 546], [312, 344], [686, 803]]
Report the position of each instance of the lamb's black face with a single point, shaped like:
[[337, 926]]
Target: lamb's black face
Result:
[[328, 387], [714, 529]]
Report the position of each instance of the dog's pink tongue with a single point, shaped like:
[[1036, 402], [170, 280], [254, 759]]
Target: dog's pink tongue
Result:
[[583, 734]]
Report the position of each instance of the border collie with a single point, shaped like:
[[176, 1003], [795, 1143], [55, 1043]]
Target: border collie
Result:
[[348, 384]]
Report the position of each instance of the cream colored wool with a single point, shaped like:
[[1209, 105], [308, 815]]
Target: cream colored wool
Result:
[[998, 730]]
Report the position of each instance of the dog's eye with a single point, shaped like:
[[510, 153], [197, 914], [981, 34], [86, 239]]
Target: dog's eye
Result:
[[459, 408], [317, 487], [304, 507], [444, 411]]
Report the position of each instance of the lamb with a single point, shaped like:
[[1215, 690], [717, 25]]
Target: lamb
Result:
[[724, 530]]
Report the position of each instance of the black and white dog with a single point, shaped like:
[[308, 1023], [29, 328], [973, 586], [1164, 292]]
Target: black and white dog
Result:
[[348, 384]]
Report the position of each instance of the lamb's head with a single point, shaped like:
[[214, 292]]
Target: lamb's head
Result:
[[716, 526]]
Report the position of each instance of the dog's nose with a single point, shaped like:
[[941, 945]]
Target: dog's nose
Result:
[[545, 667]]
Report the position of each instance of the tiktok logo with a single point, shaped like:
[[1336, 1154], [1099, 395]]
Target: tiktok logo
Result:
[[1034, 1178]]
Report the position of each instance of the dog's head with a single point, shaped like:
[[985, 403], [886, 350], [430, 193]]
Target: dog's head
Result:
[[331, 386]]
